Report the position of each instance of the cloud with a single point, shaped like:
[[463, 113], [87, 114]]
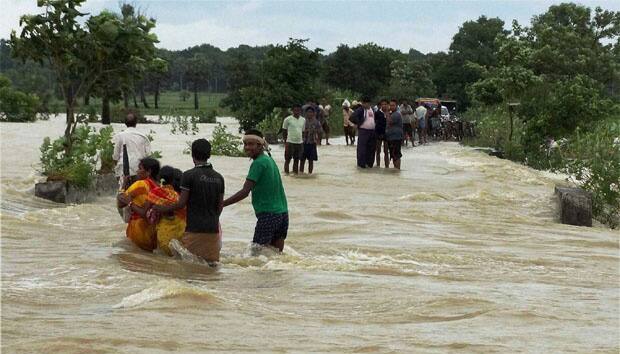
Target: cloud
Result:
[[12, 10]]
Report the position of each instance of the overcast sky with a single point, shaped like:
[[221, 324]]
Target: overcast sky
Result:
[[427, 26]]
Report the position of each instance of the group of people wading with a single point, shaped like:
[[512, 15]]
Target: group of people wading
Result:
[[165, 204]]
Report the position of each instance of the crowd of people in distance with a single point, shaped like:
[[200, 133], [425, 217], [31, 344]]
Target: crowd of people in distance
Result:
[[165, 204]]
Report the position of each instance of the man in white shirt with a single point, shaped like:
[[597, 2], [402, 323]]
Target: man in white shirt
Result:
[[421, 113], [292, 128], [138, 147]]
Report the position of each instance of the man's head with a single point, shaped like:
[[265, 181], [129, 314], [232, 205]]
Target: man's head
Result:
[[253, 143], [366, 102], [383, 105], [296, 110], [201, 150], [393, 105], [310, 112], [131, 120]]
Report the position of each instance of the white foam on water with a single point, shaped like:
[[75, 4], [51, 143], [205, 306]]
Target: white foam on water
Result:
[[162, 290]]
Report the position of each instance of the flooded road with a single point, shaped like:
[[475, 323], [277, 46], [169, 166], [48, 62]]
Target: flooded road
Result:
[[459, 251]]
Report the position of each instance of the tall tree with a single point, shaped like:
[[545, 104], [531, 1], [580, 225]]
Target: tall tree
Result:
[[198, 68], [286, 76], [130, 54], [474, 43], [57, 37]]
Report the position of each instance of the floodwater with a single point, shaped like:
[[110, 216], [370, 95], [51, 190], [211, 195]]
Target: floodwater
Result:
[[457, 252]]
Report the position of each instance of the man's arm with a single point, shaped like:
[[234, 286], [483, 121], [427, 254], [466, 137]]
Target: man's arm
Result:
[[240, 195], [178, 205], [285, 129], [116, 155]]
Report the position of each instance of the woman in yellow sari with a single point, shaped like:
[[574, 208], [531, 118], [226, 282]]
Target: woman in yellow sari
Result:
[[170, 225], [139, 231]]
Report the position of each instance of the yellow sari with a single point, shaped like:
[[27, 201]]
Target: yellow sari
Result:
[[168, 227], [138, 229]]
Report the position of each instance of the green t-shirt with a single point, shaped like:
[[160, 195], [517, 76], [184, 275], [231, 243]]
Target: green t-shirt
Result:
[[268, 192], [294, 128]]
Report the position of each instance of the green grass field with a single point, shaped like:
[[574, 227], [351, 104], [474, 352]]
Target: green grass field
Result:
[[168, 100]]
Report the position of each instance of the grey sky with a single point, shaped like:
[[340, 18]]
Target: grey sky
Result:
[[427, 26]]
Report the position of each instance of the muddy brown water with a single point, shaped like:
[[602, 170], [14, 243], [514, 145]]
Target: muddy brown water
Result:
[[457, 252]]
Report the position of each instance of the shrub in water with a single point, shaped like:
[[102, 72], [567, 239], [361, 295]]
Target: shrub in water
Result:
[[91, 154], [224, 143]]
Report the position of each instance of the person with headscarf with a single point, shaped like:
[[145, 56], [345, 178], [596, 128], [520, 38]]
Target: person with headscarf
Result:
[[268, 197]]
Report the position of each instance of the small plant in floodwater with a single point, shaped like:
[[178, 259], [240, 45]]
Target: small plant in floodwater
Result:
[[224, 143], [91, 154]]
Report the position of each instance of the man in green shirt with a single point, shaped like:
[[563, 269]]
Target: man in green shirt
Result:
[[268, 198]]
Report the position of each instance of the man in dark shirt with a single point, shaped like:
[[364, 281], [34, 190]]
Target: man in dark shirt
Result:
[[380, 125], [202, 190]]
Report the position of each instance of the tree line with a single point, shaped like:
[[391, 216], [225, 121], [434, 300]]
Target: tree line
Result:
[[126, 75]]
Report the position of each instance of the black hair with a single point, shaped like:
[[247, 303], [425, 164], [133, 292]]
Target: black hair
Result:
[[201, 150], [383, 100], [176, 182], [310, 108], [151, 165], [394, 100], [254, 132], [365, 99], [130, 119], [296, 105], [166, 174]]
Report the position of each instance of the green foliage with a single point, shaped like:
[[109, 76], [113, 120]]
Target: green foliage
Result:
[[151, 136], [475, 43], [78, 167], [186, 125], [409, 80], [184, 95], [207, 116], [288, 76], [365, 68], [224, 143], [90, 113], [272, 124], [593, 160], [493, 130], [17, 106], [563, 75], [119, 113]]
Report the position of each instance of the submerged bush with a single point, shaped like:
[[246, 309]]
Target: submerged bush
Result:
[[272, 124], [592, 159], [91, 153], [224, 143]]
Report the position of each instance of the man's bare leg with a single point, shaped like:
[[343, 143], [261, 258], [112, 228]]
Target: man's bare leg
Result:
[[295, 166], [278, 243]]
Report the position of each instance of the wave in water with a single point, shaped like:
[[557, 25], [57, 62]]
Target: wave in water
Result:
[[166, 289]]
